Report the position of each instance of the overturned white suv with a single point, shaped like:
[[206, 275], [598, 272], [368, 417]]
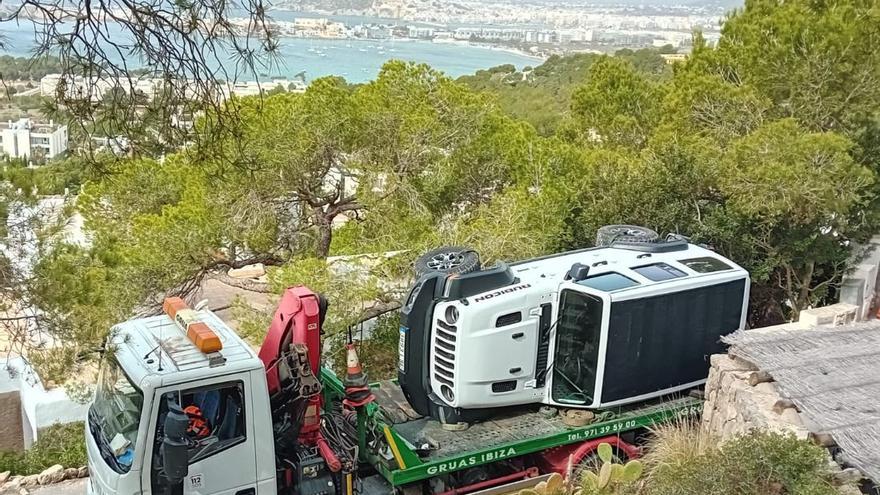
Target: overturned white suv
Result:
[[632, 319]]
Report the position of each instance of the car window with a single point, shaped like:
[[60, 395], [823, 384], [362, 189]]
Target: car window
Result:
[[659, 272], [705, 264], [608, 282], [216, 417]]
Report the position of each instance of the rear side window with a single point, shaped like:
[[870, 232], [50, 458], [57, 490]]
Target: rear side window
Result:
[[608, 282], [705, 264], [659, 272]]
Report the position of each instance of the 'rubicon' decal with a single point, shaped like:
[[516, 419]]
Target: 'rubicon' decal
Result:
[[501, 292]]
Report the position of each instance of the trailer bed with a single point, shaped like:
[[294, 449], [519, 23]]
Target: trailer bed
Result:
[[497, 431], [421, 448], [515, 425]]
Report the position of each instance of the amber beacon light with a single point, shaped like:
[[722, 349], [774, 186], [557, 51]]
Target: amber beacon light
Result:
[[197, 331]]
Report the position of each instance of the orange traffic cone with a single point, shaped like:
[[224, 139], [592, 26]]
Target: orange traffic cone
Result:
[[357, 389]]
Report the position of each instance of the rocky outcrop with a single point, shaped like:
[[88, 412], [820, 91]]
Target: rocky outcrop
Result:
[[248, 271], [19, 484], [52, 474]]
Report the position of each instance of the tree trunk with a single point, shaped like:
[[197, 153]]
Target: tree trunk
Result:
[[806, 284], [797, 288], [324, 222]]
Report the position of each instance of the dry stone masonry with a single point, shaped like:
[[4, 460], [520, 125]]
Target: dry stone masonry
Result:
[[734, 406]]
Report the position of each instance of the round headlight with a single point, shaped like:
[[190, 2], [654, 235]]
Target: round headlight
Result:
[[451, 315], [447, 393]]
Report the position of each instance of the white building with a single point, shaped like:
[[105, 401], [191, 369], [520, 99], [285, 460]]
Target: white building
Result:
[[27, 139], [254, 88], [150, 87]]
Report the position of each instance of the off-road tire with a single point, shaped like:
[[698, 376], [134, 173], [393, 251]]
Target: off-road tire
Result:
[[624, 233], [448, 259]]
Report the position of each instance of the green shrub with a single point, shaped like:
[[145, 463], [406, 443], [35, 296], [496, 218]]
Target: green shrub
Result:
[[684, 461], [377, 353], [53, 365], [798, 467], [57, 444]]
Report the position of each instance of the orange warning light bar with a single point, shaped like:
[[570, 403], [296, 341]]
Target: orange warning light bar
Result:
[[196, 331]]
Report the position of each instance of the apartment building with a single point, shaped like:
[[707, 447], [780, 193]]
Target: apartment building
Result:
[[28, 139]]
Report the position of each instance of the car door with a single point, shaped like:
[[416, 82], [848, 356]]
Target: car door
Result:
[[577, 353], [222, 457]]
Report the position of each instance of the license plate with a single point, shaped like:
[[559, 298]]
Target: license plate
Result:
[[401, 350]]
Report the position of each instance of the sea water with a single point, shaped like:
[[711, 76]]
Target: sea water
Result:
[[357, 60]]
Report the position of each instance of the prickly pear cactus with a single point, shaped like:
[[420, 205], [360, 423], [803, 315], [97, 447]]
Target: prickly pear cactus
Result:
[[554, 485], [611, 477]]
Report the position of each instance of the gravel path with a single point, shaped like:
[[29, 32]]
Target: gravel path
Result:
[[70, 487]]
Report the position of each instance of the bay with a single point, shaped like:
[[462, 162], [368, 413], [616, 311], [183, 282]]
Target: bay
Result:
[[356, 60]]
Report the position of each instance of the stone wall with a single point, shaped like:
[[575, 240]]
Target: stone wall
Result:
[[734, 406], [11, 435], [738, 399], [38, 408]]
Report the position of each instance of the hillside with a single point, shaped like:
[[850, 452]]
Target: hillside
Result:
[[542, 95]]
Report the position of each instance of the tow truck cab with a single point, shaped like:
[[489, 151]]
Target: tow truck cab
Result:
[[150, 361], [591, 328]]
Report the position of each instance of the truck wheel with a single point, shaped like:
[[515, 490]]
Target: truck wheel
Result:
[[626, 233], [448, 259]]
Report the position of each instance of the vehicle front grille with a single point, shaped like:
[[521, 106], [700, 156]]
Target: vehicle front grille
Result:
[[443, 350]]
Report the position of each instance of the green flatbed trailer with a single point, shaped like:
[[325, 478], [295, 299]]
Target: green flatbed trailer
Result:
[[407, 449]]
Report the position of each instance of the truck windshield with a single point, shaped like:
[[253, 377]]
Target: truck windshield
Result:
[[115, 416], [577, 348]]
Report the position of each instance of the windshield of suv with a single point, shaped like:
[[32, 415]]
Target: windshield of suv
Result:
[[115, 416], [577, 348]]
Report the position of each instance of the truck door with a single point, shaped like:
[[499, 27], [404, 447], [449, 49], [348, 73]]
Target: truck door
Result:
[[578, 342], [222, 454]]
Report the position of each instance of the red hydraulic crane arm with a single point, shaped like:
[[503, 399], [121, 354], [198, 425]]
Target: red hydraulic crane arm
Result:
[[297, 322]]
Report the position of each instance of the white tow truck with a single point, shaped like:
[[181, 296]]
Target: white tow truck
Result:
[[185, 406]]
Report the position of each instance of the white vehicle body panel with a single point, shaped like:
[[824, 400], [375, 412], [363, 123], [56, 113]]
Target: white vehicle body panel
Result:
[[491, 353]]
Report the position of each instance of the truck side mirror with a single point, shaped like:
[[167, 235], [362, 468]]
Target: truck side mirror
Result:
[[175, 459], [578, 272]]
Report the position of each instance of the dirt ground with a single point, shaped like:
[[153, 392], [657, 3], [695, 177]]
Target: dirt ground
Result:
[[70, 487]]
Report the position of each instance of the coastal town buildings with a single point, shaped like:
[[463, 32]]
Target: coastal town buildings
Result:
[[31, 140]]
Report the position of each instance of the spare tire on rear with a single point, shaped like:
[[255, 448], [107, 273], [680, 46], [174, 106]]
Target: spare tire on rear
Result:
[[624, 233], [448, 259]]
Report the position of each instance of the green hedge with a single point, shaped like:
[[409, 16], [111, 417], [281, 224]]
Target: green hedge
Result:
[[57, 444]]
